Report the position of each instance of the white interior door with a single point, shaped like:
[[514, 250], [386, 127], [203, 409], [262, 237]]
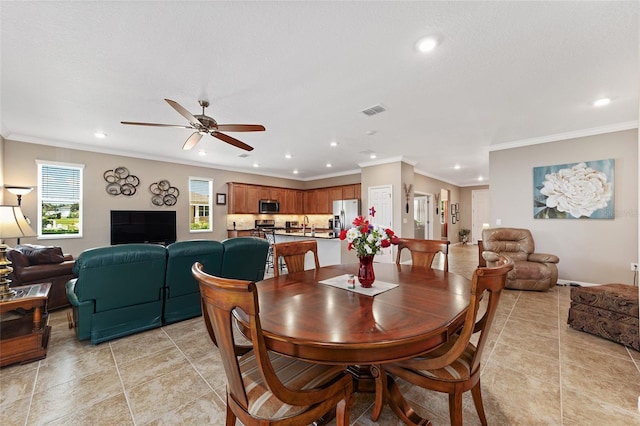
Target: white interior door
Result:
[[423, 216], [380, 198], [480, 212]]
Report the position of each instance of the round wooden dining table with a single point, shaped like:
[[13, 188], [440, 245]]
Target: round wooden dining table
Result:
[[303, 318]]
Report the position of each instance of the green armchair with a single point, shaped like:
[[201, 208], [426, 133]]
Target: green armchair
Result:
[[119, 291]]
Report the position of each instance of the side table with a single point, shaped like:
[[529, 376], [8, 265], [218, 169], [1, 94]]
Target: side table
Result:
[[24, 329]]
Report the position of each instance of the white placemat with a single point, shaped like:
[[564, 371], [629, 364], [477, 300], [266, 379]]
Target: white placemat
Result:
[[341, 282]]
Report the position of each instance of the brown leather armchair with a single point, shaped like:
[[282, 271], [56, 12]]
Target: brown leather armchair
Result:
[[38, 264], [532, 271]]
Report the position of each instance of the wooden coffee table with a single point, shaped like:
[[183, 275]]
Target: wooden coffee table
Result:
[[24, 329]]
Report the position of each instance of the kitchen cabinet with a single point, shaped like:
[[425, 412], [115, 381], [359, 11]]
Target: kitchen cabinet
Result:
[[264, 193], [237, 198], [278, 195], [324, 206], [310, 197], [335, 194], [253, 195], [348, 192], [243, 198], [292, 201]]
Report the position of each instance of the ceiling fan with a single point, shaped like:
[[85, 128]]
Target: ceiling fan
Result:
[[203, 124]]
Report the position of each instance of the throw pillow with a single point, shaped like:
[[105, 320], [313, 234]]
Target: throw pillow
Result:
[[38, 255]]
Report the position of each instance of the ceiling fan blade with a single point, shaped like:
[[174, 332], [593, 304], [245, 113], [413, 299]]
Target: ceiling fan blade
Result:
[[241, 127], [192, 141], [135, 123], [186, 114], [233, 141]]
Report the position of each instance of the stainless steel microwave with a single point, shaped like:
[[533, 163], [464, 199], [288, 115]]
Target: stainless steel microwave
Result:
[[268, 206]]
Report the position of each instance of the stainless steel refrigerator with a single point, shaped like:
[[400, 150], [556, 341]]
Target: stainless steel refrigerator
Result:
[[344, 211]]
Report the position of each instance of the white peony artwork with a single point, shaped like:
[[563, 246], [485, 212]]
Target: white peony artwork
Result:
[[574, 191]]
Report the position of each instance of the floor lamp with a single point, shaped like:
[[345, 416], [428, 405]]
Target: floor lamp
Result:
[[19, 191], [12, 225]]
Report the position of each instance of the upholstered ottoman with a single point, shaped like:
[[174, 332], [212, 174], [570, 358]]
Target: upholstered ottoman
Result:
[[609, 311]]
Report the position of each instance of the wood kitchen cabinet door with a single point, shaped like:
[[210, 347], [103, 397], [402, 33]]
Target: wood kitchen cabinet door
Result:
[[335, 194], [292, 202], [324, 206], [349, 192], [237, 198], [310, 201], [278, 195], [253, 195]]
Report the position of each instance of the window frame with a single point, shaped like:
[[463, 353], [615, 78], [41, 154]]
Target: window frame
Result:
[[209, 205], [41, 200]]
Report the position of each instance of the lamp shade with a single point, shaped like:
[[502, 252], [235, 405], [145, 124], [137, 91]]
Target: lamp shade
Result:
[[13, 224], [19, 190]]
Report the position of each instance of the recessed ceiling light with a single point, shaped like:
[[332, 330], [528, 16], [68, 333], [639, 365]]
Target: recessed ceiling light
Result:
[[202, 153], [480, 178], [328, 164], [256, 165], [333, 143], [602, 102], [370, 132], [426, 44], [457, 167], [372, 156], [100, 135], [287, 156], [295, 172]]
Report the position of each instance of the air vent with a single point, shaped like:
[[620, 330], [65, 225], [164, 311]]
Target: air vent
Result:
[[376, 109]]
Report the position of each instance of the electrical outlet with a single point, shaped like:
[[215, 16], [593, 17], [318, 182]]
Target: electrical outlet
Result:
[[634, 267]]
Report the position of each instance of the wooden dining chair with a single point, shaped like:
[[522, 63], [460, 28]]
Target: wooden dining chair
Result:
[[293, 254], [423, 252], [453, 368], [264, 388]]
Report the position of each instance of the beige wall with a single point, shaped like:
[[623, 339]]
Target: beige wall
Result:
[[333, 181], [466, 205], [590, 250], [380, 175], [1, 169], [427, 185], [20, 169]]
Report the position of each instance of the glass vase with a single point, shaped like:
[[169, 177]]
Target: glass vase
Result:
[[366, 276]]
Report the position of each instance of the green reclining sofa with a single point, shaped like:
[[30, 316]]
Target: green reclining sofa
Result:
[[119, 291], [129, 288], [182, 291]]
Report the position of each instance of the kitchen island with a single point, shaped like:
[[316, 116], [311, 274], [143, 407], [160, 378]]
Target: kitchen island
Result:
[[331, 251]]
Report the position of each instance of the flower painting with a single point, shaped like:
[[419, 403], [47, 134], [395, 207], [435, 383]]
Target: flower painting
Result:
[[574, 191]]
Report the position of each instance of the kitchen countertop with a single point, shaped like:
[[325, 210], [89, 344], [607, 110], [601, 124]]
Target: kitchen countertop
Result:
[[318, 234]]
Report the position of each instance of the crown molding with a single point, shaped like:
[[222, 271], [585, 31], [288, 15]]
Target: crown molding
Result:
[[628, 125]]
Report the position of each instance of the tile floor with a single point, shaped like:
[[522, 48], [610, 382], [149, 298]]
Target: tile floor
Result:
[[536, 371]]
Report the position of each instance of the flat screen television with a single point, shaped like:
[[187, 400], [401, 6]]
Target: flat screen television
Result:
[[138, 226]]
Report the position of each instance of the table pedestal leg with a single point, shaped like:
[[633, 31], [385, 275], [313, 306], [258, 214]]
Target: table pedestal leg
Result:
[[387, 391]]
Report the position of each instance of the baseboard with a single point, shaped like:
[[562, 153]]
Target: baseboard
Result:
[[575, 283]]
